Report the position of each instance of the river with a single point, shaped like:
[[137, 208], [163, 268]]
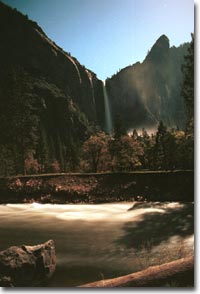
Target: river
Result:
[[101, 241]]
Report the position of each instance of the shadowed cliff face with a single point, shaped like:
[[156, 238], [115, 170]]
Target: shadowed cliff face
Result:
[[148, 92], [142, 94], [23, 43], [50, 103]]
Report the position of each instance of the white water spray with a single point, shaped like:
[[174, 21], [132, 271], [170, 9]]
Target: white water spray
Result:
[[108, 117]]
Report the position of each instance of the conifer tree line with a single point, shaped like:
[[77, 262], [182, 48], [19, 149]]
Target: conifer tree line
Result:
[[37, 136], [163, 150]]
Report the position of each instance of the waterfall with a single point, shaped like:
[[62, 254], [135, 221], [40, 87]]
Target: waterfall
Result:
[[91, 85], [108, 118]]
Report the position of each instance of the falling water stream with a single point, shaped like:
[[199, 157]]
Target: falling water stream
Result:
[[101, 241], [108, 117]]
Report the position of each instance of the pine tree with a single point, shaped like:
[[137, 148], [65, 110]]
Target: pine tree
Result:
[[134, 135], [188, 85], [159, 148], [170, 151], [164, 149], [188, 95], [119, 129], [125, 153], [146, 144]]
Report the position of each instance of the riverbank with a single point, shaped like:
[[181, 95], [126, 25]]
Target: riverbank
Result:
[[99, 187]]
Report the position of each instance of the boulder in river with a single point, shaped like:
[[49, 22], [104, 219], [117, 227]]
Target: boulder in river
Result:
[[27, 266]]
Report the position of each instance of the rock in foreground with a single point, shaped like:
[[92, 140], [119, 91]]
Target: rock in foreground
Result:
[[27, 265]]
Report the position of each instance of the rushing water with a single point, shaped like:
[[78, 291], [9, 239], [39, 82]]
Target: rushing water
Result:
[[101, 241], [108, 118]]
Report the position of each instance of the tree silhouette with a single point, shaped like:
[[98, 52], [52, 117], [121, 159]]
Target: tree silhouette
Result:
[[94, 149], [188, 85]]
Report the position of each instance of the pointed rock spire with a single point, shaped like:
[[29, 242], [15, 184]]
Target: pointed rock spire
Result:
[[159, 51]]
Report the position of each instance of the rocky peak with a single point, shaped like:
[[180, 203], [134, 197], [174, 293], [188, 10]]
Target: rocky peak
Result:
[[148, 92], [160, 50], [163, 40]]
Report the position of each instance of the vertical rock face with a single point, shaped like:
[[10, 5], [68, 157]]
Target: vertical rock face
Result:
[[65, 97], [148, 92], [24, 43], [70, 97], [27, 265]]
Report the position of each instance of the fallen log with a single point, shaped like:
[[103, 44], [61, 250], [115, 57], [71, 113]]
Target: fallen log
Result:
[[180, 272], [27, 265]]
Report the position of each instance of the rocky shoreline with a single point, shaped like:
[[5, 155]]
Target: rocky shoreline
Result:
[[98, 188]]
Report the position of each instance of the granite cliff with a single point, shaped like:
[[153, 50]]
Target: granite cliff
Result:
[[50, 103], [147, 92], [24, 43]]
